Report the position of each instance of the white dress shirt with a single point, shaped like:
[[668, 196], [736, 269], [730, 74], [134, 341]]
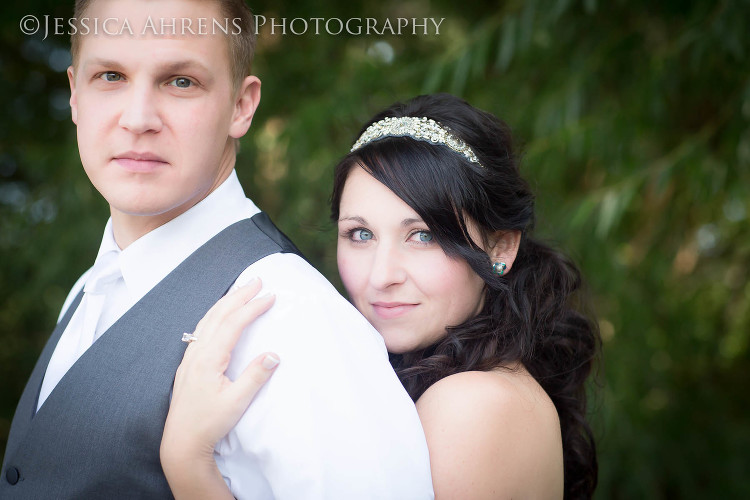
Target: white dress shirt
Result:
[[334, 421]]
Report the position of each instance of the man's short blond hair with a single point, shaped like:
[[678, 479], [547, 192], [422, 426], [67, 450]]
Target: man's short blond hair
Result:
[[241, 45]]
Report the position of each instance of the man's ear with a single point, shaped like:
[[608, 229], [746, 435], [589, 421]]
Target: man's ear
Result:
[[73, 100], [503, 247], [248, 98]]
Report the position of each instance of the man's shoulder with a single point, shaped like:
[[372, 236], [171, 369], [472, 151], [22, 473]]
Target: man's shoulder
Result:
[[290, 275], [308, 309]]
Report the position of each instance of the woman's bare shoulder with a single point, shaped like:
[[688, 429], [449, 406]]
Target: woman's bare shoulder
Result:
[[492, 433], [511, 395]]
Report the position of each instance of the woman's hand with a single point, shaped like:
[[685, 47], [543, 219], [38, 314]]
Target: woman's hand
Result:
[[206, 404]]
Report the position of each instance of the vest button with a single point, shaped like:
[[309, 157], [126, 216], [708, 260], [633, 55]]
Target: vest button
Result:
[[12, 475]]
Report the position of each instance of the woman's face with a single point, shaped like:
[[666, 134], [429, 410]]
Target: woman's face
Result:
[[395, 273]]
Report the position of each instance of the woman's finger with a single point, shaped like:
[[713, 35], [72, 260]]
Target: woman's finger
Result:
[[229, 330], [204, 409], [253, 378]]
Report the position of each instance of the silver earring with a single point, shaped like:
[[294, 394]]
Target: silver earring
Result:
[[499, 268]]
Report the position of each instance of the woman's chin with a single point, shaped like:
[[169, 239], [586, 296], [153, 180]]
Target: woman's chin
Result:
[[400, 345]]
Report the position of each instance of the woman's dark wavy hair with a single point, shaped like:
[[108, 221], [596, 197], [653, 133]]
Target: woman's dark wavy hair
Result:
[[533, 313]]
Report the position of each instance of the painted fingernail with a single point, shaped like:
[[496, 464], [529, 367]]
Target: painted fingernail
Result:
[[237, 286], [270, 362]]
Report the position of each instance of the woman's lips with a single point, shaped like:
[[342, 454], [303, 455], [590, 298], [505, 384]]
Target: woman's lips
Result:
[[388, 310]]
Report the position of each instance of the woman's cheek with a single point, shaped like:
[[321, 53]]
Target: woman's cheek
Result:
[[450, 282], [351, 272], [432, 272]]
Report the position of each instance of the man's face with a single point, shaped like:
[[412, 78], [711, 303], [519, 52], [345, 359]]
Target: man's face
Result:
[[156, 114]]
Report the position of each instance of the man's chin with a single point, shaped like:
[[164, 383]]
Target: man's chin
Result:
[[145, 208]]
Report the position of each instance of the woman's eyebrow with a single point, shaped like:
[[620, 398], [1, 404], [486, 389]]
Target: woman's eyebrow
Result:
[[410, 221], [355, 218]]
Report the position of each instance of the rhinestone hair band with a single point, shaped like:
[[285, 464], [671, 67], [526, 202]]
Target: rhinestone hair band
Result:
[[421, 129]]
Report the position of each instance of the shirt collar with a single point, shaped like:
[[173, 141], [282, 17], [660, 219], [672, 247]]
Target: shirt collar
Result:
[[150, 258]]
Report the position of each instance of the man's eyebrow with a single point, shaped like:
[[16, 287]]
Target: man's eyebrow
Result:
[[178, 66], [172, 67], [107, 63]]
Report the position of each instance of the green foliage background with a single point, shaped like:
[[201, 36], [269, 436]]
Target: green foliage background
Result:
[[634, 120]]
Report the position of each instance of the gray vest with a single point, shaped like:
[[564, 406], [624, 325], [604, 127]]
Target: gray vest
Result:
[[98, 433]]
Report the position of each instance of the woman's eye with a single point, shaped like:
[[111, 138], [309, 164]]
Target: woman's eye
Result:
[[181, 82], [425, 236], [361, 235], [111, 76], [422, 236]]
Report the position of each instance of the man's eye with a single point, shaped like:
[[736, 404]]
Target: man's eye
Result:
[[111, 76], [181, 82]]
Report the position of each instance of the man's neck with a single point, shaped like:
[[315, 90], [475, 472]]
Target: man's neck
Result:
[[128, 227]]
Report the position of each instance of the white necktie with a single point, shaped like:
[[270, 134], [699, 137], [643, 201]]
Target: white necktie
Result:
[[94, 294], [83, 329]]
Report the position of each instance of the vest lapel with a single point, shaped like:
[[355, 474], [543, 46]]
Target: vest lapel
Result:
[[152, 329], [27, 404]]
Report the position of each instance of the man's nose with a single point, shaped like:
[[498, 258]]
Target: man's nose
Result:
[[141, 113]]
